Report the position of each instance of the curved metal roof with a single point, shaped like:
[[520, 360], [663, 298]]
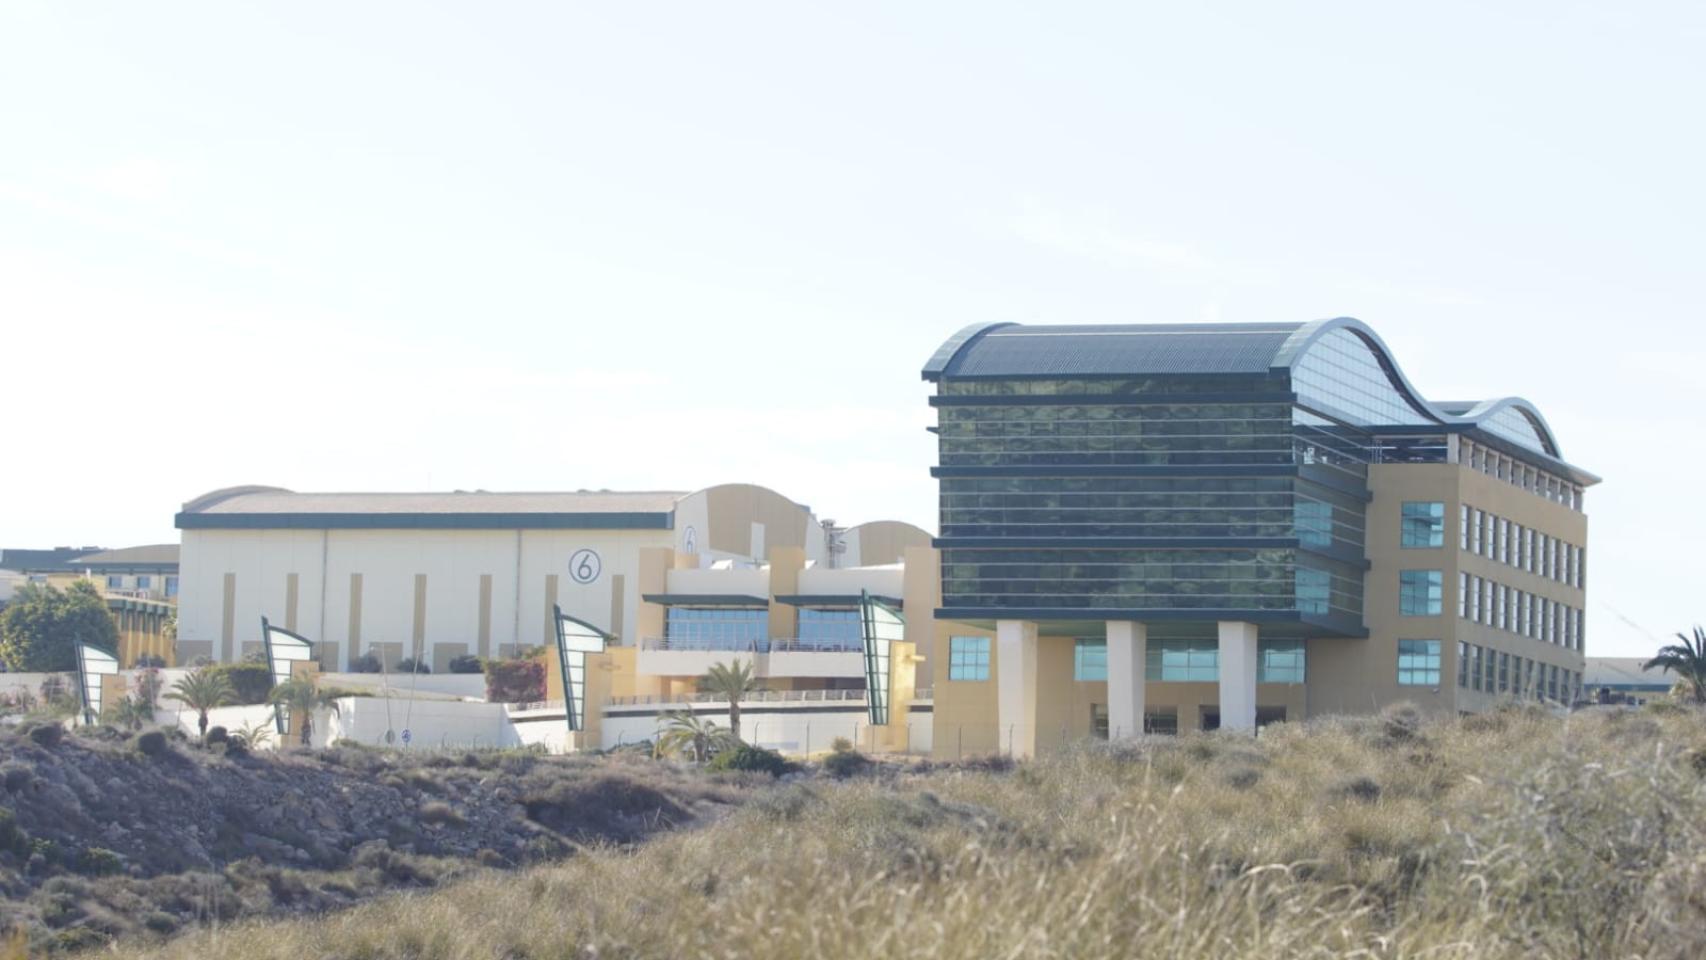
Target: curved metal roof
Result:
[[1014, 350], [1009, 350]]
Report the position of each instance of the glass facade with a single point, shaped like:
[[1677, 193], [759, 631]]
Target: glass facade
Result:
[[1193, 493], [830, 629], [1148, 579], [716, 628], [1089, 660], [1197, 660], [1340, 375], [968, 658]]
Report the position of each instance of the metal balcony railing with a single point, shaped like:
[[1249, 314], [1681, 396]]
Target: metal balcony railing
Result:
[[773, 645]]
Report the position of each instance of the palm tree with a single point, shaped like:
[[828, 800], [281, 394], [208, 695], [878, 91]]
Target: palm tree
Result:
[[202, 691], [1687, 660], [731, 681], [685, 733], [302, 697]]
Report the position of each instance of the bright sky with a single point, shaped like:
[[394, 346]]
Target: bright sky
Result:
[[399, 246]]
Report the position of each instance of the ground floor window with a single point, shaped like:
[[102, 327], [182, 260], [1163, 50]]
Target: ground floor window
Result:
[[1090, 660], [1418, 663], [968, 658], [1161, 721], [1099, 721]]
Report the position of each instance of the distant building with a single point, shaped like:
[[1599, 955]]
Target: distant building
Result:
[[143, 573], [56, 567], [434, 576], [1623, 680]]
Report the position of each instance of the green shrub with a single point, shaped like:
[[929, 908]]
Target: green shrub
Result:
[[47, 734], [748, 757], [12, 838], [16, 776], [99, 862], [250, 682], [441, 814], [841, 745], [845, 763], [151, 743], [217, 734], [515, 681], [411, 665], [366, 663], [466, 663]]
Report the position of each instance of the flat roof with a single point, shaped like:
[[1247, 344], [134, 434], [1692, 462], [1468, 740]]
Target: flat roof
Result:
[[265, 507]]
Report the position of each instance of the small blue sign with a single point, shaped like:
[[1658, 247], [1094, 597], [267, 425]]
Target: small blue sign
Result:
[[407, 736]]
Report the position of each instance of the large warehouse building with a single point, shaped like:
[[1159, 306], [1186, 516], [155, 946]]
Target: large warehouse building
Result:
[[1176, 527], [438, 575]]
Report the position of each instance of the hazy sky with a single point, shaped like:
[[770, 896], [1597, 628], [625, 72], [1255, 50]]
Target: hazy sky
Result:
[[366, 246]]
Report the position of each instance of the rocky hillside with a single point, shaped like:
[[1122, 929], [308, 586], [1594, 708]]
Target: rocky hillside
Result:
[[106, 837]]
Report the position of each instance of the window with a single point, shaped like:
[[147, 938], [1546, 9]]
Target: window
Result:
[[1475, 524], [717, 628], [1462, 663], [115, 582], [1099, 721], [1504, 672], [1491, 664], [830, 629], [1161, 721], [1418, 663], [968, 658], [1314, 590], [1420, 593], [1279, 661], [1504, 549], [1183, 661], [1463, 526], [1314, 521], [1423, 524], [171, 586], [1089, 660], [1463, 595], [144, 583], [1475, 667]]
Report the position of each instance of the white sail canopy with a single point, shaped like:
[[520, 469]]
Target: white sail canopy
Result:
[[93, 663], [575, 640], [880, 626]]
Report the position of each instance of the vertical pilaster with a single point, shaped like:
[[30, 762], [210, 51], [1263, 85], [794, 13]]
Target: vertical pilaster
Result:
[[1128, 649], [1016, 685], [1237, 676]]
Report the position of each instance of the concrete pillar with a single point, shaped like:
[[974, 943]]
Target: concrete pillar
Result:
[[1237, 676], [1128, 648], [1016, 685]]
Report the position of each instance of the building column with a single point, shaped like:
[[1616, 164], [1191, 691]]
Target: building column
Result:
[[1237, 676], [1016, 686], [1128, 649]]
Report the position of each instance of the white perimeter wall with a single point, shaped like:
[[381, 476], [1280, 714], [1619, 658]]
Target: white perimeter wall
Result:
[[789, 732]]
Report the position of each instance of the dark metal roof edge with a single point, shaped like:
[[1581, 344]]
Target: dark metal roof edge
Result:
[[938, 363], [705, 599], [832, 599], [427, 521]]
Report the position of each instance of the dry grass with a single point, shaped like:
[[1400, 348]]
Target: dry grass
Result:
[[1515, 836]]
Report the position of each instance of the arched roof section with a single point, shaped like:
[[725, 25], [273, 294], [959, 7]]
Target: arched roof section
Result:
[[1339, 364], [1010, 350], [223, 494], [731, 510]]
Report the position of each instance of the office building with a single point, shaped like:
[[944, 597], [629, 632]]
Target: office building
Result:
[[1177, 527]]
